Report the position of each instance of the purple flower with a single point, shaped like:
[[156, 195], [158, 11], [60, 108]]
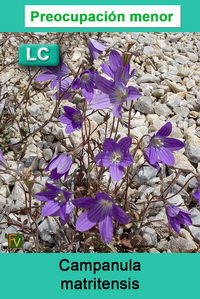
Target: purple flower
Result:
[[85, 81], [102, 209], [115, 156], [197, 193], [54, 73], [59, 166], [95, 48], [116, 93], [176, 217], [2, 160], [72, 118], [65, 92], [160, 147], [100, 100], [117, 67], [57, 203]]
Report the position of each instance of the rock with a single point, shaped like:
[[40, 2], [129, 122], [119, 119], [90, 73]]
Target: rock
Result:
[[161, 43], [180, 244], [171, 77], [137, 123], [76, 56], [181, 162], [17, 197], [98, 117], [163, 245], [192, 56], [158, 93], [195, 232], [8, 179], [181, 59], [149, 237], [192, 151], [148, 50], [190, 83], [175, 87], [3, 202], [31, 160], [174, 37], [145, 174], [182, 111], [153, 250], [34, 110], [193, 182], [27, 246], [138, 132], [195, 216], [47, 229], [175, 200], [144, 105], [162, 109], [183, 71], [41, 184], [48, 154], [147, 78], [174, 100]]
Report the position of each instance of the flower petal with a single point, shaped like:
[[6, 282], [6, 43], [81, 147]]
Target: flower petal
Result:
[[98, 212], [103, 84], [46, 195], [45, 77], [165, 156], [125, 143], [186, 220], [64, 221], [175, 224], [106, 69], [84, 202], [109, 145], [65, 162], [165, 130], [116, 172], [70, 129], [64, 119], [151, 154], [99, 46], [106, 229], [103, 195], [88, 95], [103, 159], [50, 207], [83, 223], [133, 93], [69, 207], [54, 175], [172, 143], [67, 194], [53, 164], [117, 110], [63, 212], [119, 215], [172, 211], [115, 60], [127, 160], [197, 195], [52, 187], [100, 101]]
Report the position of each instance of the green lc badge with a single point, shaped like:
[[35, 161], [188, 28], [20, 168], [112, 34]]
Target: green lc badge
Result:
[[38, 55]]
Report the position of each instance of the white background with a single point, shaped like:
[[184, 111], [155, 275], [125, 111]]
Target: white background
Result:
[[117, 9]]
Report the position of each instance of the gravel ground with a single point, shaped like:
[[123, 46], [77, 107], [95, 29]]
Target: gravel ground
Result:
[[168, 75]]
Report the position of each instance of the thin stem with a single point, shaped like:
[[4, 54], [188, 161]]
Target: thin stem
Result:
[[129, 119]]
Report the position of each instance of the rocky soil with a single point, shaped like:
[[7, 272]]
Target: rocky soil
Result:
[[168, 75]]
